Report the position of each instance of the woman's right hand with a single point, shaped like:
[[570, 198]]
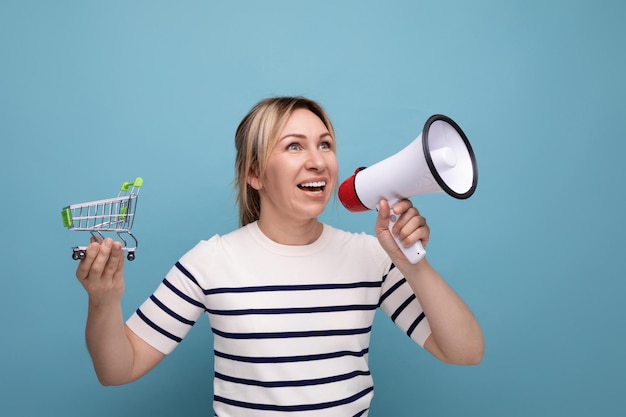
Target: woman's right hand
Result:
[[101, 272], [119, 356]]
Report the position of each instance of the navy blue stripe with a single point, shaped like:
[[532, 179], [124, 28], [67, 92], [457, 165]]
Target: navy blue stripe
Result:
[[188, 274], [157, 328], [183, 295], [417, 321], [170, 312], [304, 407], [308, 287], [298, 383], [391, 290], [399, 310], [286, 335], [299, 310], [285, 359], [391, 268]]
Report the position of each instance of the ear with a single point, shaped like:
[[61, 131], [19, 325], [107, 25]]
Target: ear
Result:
[[253, 179]]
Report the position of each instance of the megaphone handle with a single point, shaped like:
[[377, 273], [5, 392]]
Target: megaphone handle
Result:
[[413, 253]]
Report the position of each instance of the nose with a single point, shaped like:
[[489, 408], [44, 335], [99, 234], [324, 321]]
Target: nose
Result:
[[315, 160]]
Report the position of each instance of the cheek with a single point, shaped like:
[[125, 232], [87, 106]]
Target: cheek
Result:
[[333, 168], [278, 174]]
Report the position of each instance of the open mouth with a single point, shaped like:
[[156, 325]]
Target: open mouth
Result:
[[315, 187]]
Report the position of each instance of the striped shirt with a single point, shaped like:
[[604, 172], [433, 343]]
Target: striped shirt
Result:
[[291, 324]]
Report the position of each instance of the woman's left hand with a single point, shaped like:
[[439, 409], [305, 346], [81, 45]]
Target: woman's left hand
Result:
[[409, 228]]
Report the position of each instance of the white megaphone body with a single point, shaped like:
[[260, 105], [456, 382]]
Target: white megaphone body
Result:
[[439, 160]]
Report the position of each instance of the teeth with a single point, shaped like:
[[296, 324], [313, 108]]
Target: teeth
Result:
[[314, 184]]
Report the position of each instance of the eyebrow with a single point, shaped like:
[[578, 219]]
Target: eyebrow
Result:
[[302, 136]]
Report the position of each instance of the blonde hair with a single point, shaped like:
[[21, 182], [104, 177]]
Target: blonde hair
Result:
[[255, 138]]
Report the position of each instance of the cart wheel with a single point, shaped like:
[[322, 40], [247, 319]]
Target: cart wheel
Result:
[[131, 256], [78, 254]]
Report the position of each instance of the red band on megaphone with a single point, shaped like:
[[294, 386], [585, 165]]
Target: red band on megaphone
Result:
[[348, 196]]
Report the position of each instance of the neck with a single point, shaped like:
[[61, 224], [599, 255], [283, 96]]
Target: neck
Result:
[[292, 234]]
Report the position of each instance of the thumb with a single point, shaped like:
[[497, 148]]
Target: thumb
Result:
[[385, 238], [382, 221]]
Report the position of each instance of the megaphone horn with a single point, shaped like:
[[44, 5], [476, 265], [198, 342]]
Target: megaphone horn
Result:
[[439, 160]]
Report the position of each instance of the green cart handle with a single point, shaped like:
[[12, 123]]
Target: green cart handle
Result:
[[66, 214], [137, 183]]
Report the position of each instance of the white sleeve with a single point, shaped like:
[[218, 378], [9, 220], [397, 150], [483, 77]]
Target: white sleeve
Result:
[[166, 317], [399, 302]]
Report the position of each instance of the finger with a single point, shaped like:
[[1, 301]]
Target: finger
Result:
[[119, 272], [402, 206], [101, 258], [115, 263], [384, 212], [409, 223], [96, 239], [84, 266], [404, 217], [416, 229]]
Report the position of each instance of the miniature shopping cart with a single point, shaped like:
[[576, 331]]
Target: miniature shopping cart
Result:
[[113, 215]]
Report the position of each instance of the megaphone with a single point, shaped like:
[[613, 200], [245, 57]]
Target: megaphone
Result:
[[439, 160]]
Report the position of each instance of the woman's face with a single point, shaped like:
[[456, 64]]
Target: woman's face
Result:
[[301, 172]]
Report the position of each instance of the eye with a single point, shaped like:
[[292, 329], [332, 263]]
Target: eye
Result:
[[293, 146], [326, 145]]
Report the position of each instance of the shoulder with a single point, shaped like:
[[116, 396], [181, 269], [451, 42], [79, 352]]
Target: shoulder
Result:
[[206, 254], [206, 249], [344, 236], [355, 244]]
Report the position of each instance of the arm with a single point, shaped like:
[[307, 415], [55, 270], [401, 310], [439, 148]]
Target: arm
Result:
[[118, 355], [456, 336]]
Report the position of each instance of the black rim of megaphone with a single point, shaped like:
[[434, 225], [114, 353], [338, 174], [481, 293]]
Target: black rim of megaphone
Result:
[[431, 165]]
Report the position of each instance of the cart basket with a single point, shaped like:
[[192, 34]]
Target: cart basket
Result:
[[101, 217]]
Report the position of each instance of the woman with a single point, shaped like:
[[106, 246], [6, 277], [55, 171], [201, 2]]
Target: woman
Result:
[[290, 300]]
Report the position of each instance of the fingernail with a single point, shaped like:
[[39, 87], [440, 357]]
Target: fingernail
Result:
[[108, 243]]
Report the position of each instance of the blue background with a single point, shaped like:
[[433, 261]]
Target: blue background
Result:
[[96, 93]]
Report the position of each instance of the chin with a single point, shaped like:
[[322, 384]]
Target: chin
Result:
[[314, 213]]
